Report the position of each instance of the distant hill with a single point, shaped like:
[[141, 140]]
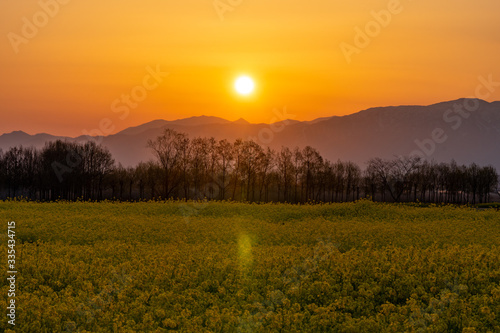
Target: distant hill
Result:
[[20, 138], [160, 123], [376, 132]]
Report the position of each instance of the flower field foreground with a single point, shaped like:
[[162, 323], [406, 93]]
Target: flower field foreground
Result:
[[233, 267]]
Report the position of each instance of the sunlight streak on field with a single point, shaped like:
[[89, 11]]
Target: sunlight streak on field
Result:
[[245, 256]]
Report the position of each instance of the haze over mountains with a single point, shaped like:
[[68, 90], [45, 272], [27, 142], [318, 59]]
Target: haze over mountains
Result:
[[442, 132]]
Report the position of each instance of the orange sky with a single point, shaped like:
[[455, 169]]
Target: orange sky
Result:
[[64, 77]]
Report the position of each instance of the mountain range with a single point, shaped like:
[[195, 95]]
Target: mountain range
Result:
[[467, 130]]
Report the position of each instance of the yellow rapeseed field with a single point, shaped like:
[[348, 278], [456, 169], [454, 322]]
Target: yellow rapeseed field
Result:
[[234, 267]]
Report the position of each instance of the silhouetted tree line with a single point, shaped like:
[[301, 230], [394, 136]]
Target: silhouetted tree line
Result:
[[204, 168], [61, 170]]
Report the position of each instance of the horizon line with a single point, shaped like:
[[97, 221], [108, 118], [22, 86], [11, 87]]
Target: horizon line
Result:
[[260, 123]]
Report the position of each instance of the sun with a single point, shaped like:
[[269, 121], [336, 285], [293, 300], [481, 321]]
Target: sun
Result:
[[244, 85]]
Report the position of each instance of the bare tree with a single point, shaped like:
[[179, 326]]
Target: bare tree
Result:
[[226, 157], [297, 168], [167, 149], [284, 164], [394, 175]]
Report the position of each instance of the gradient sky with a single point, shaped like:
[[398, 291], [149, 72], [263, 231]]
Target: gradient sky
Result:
[[65, 77]]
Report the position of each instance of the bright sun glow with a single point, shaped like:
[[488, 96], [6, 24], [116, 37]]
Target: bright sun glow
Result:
[[244, 85]]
